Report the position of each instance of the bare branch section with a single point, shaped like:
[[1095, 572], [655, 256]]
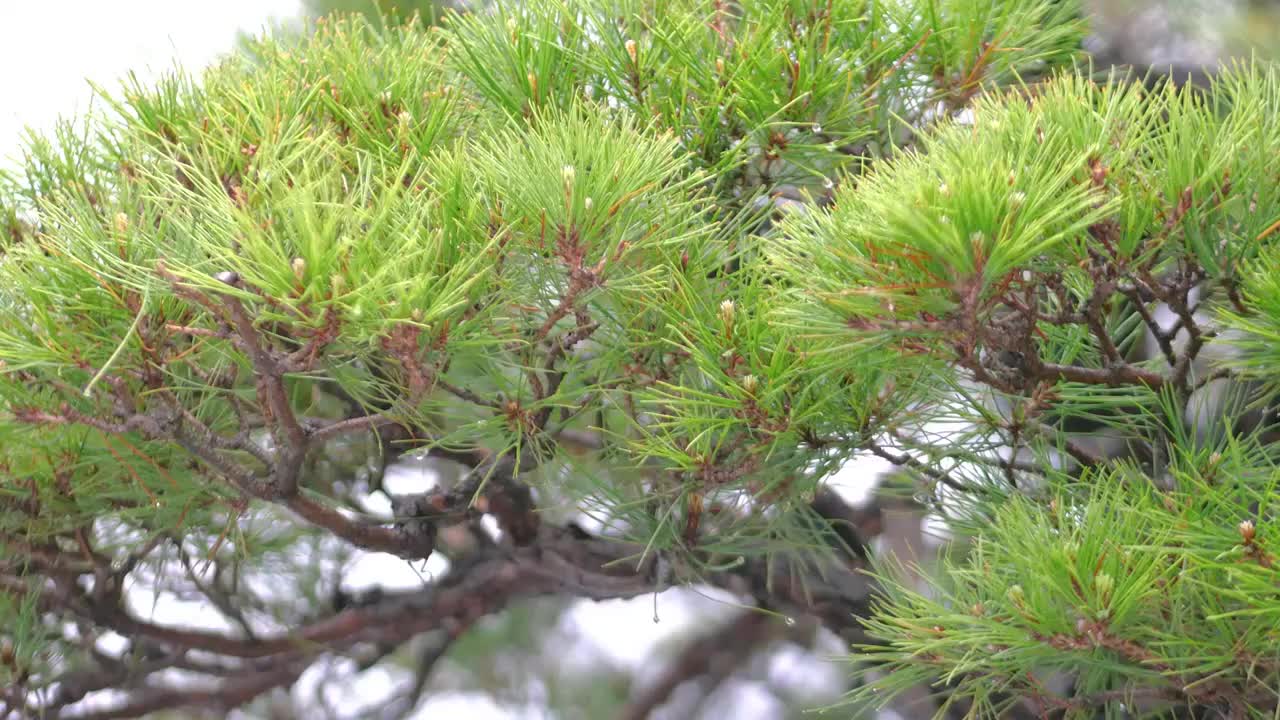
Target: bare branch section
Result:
[[563, 562], [223, 697]]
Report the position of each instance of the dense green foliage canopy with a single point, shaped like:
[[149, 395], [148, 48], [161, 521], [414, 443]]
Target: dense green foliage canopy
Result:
[[668, 265]]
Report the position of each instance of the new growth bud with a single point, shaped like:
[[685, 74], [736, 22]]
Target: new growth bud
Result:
[[1105, 584], [727, 310], [1247, 531]]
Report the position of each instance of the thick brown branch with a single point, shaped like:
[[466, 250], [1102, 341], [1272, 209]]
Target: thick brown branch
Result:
[[1115, 376], [561, 564], [225, 696], [291, 439], [411, 546], [355, 424]]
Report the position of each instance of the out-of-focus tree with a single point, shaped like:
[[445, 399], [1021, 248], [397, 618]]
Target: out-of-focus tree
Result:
[[1255, 28], [1189, 35], [392, 11]]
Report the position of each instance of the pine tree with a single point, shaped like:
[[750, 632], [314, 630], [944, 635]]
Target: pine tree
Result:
[[638, 277], [379, 12]]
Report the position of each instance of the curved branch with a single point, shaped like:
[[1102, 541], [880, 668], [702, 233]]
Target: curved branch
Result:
[[225, 696]]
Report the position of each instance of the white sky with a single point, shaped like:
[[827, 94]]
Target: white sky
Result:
[[48, 49]]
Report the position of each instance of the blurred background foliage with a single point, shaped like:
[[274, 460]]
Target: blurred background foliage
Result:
[[1257, 28], [1184, 33], [393, 11]]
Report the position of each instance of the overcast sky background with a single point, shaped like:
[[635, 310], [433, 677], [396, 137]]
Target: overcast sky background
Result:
[[48, 49]]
